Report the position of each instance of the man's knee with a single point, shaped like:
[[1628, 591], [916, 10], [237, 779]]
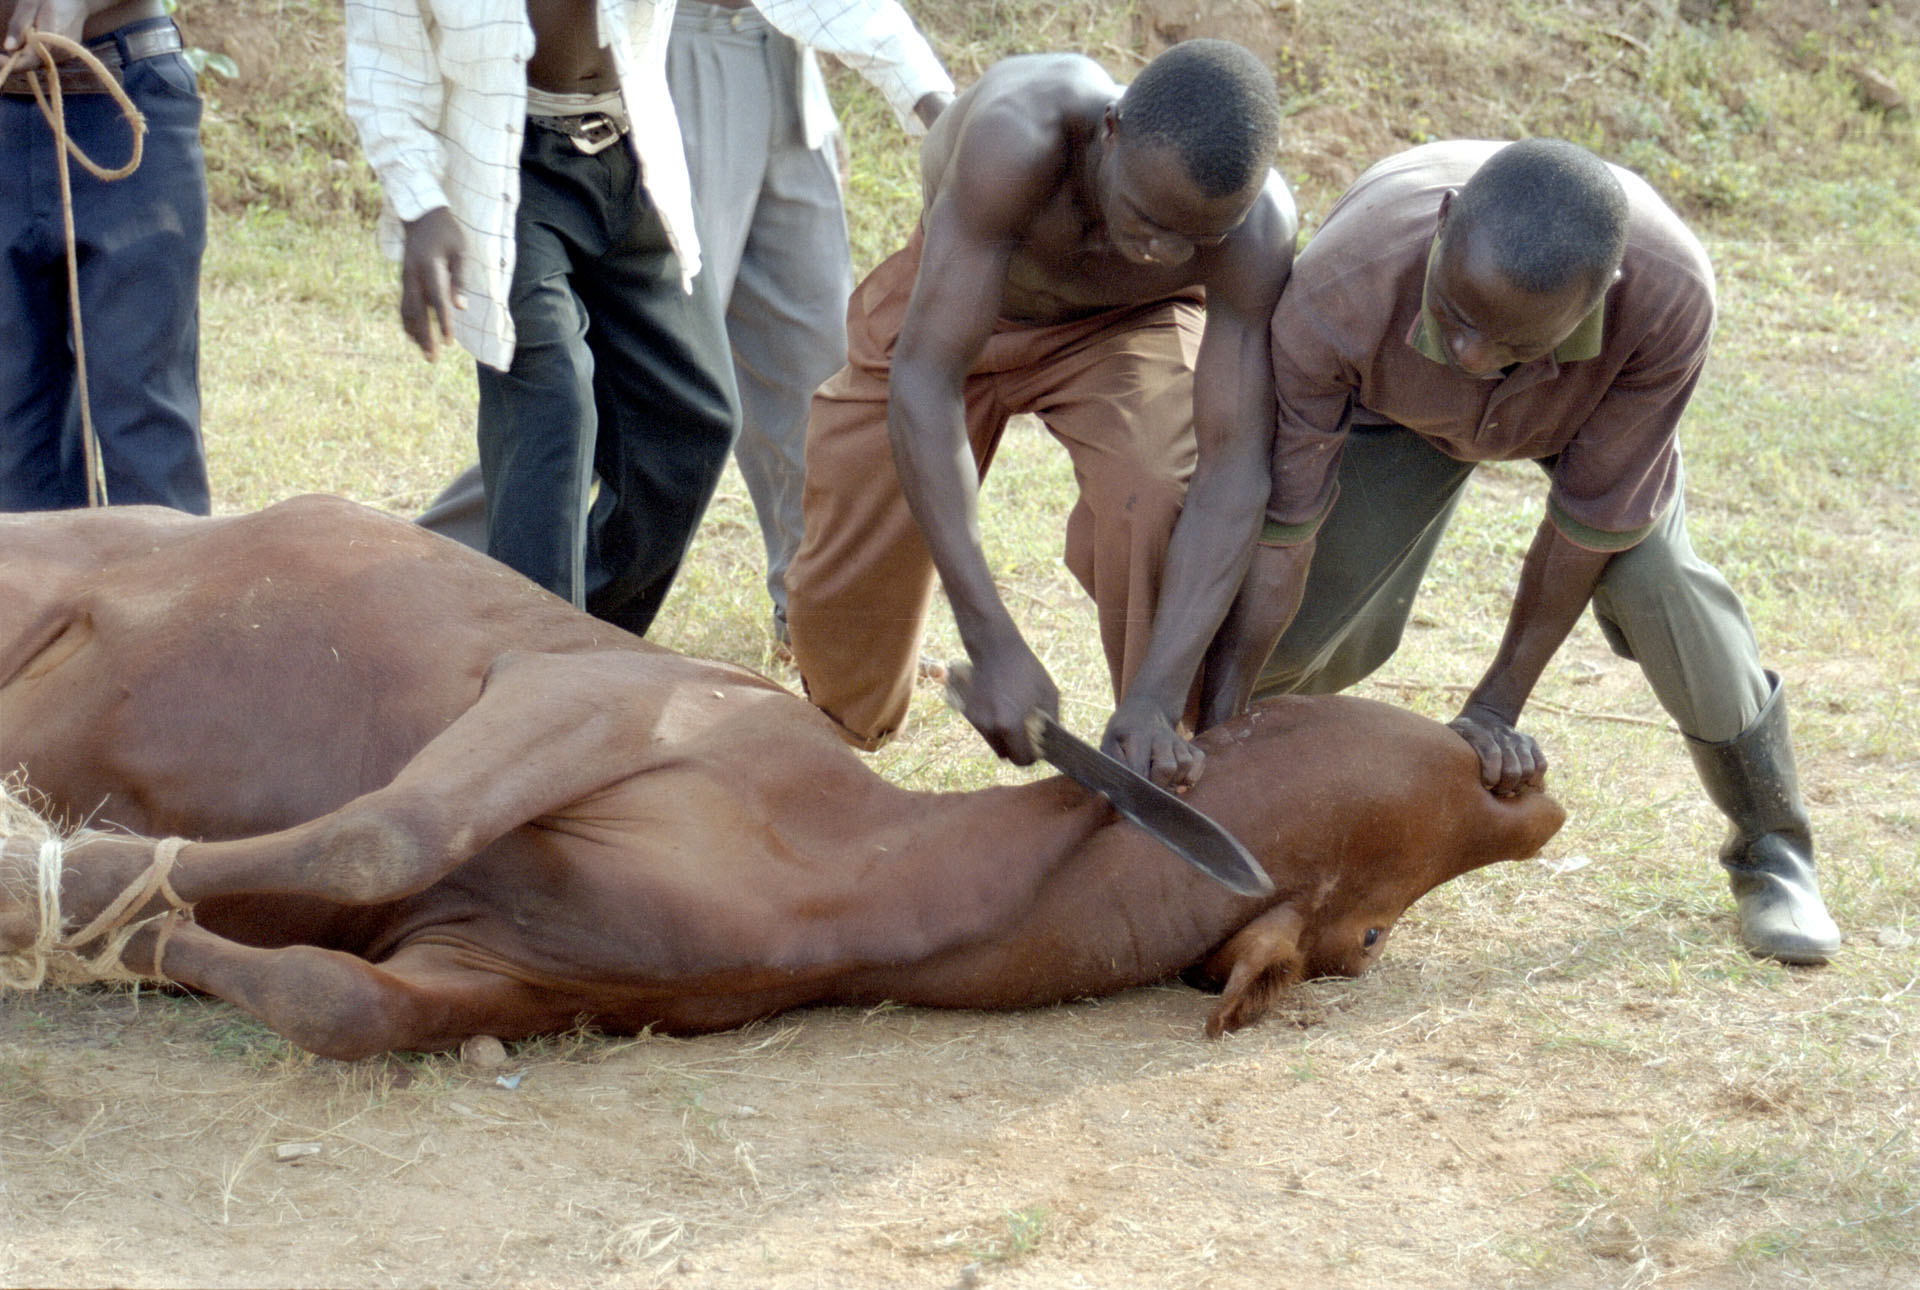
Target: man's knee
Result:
[[1650, 584]]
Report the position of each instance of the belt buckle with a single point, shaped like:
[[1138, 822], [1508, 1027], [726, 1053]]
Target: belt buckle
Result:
[[596, 133]]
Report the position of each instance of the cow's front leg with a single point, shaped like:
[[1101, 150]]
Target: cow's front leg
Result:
[[1258, 963]]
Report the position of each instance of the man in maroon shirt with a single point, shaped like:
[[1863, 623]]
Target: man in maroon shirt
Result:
[[1470, 302]]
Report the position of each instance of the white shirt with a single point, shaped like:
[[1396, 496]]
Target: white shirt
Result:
[[438, 92], [875, 38]]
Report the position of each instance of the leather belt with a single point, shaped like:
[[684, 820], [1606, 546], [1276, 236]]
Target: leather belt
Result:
[[591, 132], [77, 78]]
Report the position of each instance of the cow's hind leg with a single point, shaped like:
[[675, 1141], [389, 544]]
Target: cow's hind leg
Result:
[[545, 731], [338, 1005], [341, 1006]]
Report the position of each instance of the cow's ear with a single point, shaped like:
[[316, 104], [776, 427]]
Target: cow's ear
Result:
[[1258, 964]]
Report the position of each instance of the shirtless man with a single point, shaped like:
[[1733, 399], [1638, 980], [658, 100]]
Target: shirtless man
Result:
[[140, 241], [1106, 261], [537, 198]]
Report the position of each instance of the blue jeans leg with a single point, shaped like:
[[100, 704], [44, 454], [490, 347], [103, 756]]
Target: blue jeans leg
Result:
[[139, 242]]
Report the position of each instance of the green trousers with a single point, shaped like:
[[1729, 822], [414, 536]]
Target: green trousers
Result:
[[1657, 603]]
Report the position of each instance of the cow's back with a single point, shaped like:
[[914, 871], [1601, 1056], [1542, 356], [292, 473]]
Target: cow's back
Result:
[[221, 677]]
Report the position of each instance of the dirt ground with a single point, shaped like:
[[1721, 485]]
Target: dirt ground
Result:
[[1392, 1131]]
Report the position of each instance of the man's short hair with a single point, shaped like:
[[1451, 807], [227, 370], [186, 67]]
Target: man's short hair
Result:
[[1552, 213], [1216, 105]]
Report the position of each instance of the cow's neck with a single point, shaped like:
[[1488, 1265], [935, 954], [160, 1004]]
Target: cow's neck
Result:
[[1076, 902]]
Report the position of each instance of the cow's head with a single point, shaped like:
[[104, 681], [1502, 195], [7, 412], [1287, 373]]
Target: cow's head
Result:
[[1357, 810]]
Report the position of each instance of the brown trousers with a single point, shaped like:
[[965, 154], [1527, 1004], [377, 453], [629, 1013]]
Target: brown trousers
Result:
[[1116, 389]]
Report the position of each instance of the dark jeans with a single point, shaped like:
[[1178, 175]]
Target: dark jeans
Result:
[[139, 243], [617, 374]]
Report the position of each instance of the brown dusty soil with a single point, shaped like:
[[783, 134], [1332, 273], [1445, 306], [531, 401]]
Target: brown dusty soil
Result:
[[1392, 1131]]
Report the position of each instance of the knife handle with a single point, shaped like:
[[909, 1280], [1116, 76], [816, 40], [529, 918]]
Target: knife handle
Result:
[[960, 685]]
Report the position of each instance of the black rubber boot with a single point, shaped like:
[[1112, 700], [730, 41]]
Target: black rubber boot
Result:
[[1769, 853]]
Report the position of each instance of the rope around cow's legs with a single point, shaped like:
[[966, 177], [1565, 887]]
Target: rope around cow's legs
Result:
[[26, 968], [52, 955]]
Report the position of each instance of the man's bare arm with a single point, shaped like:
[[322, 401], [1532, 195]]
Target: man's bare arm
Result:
[[1275, 585], [1556, 585], [1001, 172], [1213, 542]]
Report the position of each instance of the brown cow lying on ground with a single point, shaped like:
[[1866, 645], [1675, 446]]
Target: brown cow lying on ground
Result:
[[425, 800]]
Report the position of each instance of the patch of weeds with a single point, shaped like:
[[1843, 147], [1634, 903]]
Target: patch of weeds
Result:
[[1773, 1246], [583, 1043], [1736, 967], [694, 1112], [38, 1022], [1690, 1165], [1881, 1232], [1556, 1037], [426, 1073], [236, 1037], [1581, 1180], [1530, 1252], [1026, 1228], [23, 1079]]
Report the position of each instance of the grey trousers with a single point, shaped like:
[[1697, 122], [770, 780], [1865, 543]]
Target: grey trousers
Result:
[[1657, 603], [774, 235]]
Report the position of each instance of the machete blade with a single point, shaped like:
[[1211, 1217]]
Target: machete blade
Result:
[[1182, 829]]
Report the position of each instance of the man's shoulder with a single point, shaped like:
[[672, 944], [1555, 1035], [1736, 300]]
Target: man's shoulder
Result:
[[1258, 254], [1656, 232], [1009, 141], [1046, 74], [1408, 185], [1386, 219], [1037, 95]]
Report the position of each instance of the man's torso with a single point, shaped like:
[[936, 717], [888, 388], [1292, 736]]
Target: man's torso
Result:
[[567, 57], [108, 19], [1342, 353], [1064, 265]]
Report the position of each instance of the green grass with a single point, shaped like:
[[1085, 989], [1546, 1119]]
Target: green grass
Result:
[[1026, 1229]]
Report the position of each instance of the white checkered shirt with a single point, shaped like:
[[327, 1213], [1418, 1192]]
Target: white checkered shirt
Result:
[[438, 91], [875, 38]]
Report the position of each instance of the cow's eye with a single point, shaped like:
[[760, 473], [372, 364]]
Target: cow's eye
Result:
[[1373, 935]]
